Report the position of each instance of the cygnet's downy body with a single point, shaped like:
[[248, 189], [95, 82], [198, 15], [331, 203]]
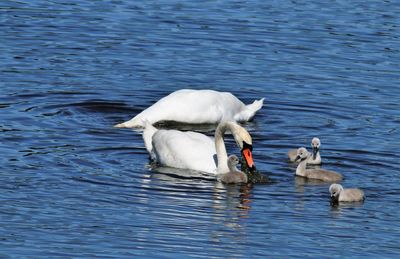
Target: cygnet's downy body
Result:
[[317, 173], [234, 175], [314, 158], [339, 194]]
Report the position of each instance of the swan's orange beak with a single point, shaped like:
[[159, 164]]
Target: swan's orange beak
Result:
[[249, 157]]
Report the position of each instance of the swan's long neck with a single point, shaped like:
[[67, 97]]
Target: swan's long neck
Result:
[[222, 156], [317, 155], [301, 168]]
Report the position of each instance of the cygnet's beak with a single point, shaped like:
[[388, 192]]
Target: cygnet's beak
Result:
[[314, 152], [297, 158]]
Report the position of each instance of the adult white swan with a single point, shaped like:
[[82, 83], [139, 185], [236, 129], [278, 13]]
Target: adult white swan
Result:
[[195, 107], [196, 151]]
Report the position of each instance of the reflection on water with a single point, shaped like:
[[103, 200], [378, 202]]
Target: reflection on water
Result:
[[232, 197], [227, 206], [231, 205], [339, 208], [302, 181]]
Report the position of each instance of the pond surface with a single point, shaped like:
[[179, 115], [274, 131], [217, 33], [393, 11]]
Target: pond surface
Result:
[[74, 186]]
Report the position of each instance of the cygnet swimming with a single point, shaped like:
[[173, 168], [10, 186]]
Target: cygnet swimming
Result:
[[234, 175], [317, 173], [314, 158], [339, 194]]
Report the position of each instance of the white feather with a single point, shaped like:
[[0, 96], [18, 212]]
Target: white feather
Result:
[[195, 107], [192, 150]]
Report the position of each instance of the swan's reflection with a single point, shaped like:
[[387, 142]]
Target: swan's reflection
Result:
[[224, 196], [232, 197], [229, 204], [301, 182], [338, 208], [178, 175]]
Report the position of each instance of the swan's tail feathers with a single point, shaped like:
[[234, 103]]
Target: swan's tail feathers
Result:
[[136, 122], [256, 105], [251, 109], [148, 133], [120, 125]]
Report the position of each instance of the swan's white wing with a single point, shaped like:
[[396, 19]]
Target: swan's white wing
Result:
[[196, 106], [187, 150]]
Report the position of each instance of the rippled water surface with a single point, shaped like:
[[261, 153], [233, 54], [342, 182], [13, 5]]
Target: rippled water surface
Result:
[[74, 186]]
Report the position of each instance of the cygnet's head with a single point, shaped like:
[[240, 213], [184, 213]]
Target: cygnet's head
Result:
[[302, 154], [335, 190], [233, 161], [315, 144]]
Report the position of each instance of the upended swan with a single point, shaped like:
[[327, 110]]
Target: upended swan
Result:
[[339, 194], [318, 174], [314, 158], [234, 175], [195, 107], [196, 151]]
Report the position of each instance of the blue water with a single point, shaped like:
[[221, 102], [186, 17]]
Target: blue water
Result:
[[74, 186]]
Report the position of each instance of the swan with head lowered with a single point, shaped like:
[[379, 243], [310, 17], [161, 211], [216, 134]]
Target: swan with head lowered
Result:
[[339, 194], [195, 107], [196, 151]]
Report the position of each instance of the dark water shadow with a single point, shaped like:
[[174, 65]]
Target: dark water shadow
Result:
[[339, 208], [302, 182], [178, 175]]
